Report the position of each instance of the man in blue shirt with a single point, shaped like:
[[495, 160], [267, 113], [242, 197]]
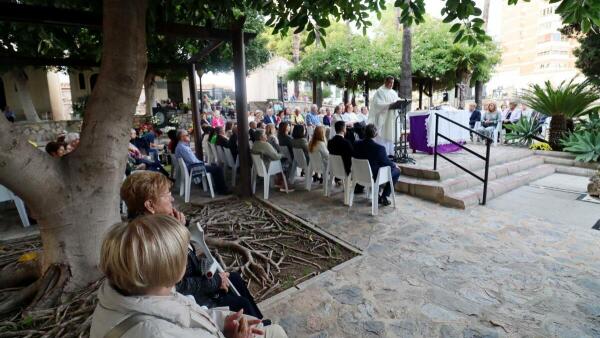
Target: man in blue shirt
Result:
[[312, 118], [184, 151], [269, 118], [368, 149]]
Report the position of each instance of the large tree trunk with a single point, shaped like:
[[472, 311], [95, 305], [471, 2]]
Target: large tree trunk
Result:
[[479, 94], [296, 60], [463, 86], [21, 79], [405, 90], [149, 87], [76, 198]]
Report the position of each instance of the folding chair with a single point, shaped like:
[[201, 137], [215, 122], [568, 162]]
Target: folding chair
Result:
[[300, 161], [316, 166], [231, 163], [259, 169], [186, 180], [7, 195], [197, 236], [361, 174], [337, 170]]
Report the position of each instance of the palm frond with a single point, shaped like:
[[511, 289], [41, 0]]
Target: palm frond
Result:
[[568, 98]]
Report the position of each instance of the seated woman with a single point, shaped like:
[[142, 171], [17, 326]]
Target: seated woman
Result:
[[271, 133], [142, 261], [489, 120], [317, 145], [149, 193], [299, 139]]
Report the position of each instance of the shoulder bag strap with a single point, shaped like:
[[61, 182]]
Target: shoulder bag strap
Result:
[[124, 326]]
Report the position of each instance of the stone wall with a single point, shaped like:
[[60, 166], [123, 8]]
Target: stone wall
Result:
[[46, 131]]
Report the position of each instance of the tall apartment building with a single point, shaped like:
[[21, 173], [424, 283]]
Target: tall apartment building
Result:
[[533, 50]]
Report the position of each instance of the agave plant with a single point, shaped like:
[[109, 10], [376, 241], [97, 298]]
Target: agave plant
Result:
[[563, 103], [524, 131], [585, 145]]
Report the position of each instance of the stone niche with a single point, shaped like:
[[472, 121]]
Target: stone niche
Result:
[[46, 131]]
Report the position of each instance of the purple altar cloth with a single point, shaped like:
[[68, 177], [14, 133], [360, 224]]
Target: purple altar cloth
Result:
[[418, 137]]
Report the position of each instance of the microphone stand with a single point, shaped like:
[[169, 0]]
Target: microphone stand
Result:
[[401, 147]]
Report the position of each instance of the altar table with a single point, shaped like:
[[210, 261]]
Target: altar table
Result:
[[422, 130]]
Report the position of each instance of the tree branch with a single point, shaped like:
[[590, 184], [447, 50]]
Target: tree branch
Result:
[[24, 169]]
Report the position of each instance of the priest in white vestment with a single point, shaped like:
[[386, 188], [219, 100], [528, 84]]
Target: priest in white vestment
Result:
[[382, 116]]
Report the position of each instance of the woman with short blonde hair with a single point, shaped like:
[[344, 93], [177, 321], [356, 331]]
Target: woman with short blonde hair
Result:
[[142, 261], [159, 239]]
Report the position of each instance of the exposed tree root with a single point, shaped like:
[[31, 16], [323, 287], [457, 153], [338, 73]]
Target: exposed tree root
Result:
[[18, 274], [272, 251]]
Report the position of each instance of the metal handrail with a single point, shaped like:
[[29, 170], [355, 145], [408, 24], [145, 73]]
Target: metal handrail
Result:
[[488, 142]]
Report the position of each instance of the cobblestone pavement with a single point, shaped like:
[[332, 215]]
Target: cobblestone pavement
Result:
[[430, 271]]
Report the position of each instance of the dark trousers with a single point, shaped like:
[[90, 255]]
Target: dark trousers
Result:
[[218, 178], [387, 190], [153, 166], [243, 301]]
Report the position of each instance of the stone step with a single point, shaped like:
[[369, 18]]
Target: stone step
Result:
[[570, 162], [466, 180], [436, 190], [558, 154], [447, 170], [474, 195]]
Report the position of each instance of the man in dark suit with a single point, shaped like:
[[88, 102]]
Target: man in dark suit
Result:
[[475, 115], [339, 145], [368, 149]]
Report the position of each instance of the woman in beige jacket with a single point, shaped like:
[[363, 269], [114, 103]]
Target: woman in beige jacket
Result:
[[142, 261]]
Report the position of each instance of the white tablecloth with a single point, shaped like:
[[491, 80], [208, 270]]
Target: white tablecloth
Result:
[[446, 128]]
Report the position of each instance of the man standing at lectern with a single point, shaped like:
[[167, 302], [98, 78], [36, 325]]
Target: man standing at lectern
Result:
[[383, 114]]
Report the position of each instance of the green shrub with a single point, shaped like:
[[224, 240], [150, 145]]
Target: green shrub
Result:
[[584, 144]]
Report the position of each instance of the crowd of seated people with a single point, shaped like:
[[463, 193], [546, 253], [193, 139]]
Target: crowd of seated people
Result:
[[493, 118]]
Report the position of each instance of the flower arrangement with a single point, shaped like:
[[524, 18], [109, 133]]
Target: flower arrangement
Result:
[[541, 146], [154, 120]]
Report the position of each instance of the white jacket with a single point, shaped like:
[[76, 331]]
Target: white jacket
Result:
[[173, 316]]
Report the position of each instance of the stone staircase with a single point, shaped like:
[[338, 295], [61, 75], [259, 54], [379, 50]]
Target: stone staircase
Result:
[[509, 169]]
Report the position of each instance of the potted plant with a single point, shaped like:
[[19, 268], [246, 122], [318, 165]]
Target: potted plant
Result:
[[563, 103]]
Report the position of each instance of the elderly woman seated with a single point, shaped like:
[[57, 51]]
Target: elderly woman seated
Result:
[[147, 192], [489, 121], [142, 261]]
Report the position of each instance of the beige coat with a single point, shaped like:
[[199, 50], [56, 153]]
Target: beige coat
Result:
[[173, 316]]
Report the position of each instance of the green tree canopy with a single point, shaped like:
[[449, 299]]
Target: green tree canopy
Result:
[[588, 57]]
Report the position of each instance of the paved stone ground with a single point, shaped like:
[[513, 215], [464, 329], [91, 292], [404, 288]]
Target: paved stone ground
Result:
[[430, 271]]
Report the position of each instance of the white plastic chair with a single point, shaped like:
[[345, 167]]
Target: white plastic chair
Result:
[[232, 164], [174, 168], [361, 174], [336, 169], [216, 158], [259, 169], [186, 180], [316, 166], [300, 162], [221, 156], [207, 152], [7, 195]]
